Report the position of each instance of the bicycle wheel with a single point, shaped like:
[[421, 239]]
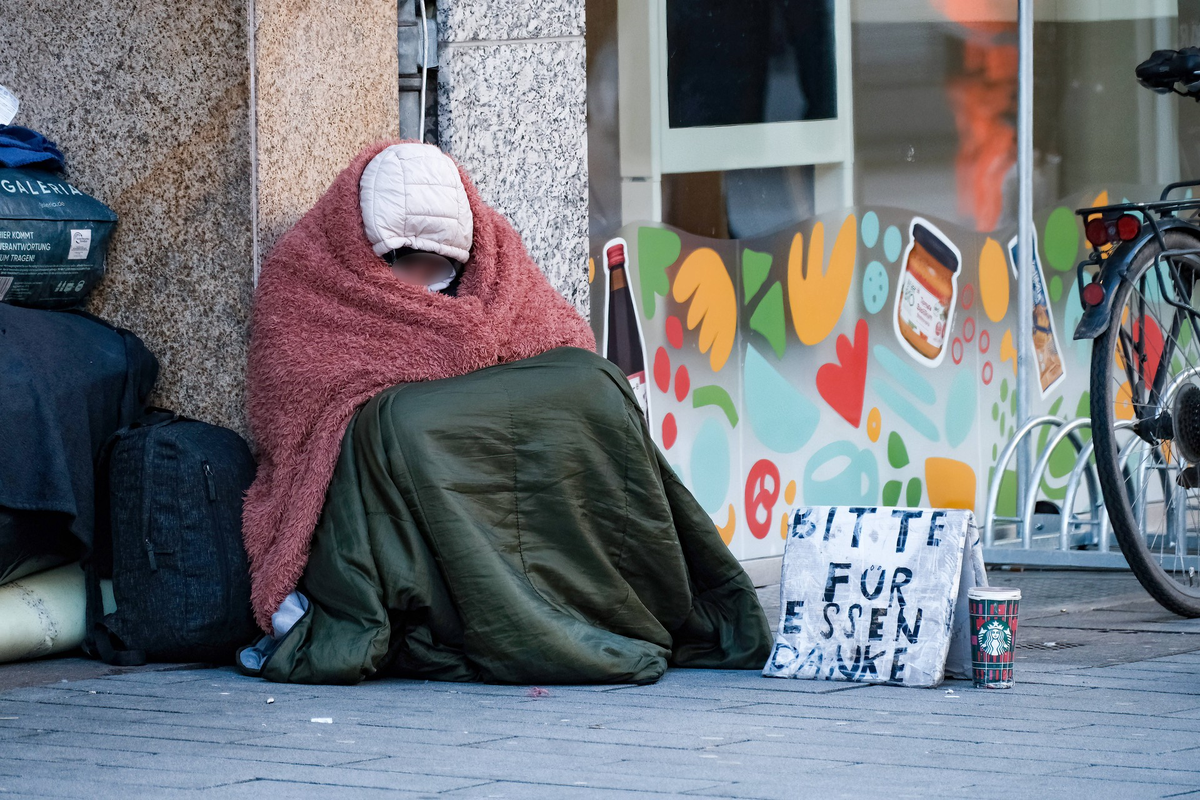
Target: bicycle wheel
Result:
[[1141, 367]]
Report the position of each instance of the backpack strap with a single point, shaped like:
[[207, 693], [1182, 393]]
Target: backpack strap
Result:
[[99, 640], [101, 547]]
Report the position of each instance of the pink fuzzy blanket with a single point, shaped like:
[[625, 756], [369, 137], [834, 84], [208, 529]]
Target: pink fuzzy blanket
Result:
[[332, 327]]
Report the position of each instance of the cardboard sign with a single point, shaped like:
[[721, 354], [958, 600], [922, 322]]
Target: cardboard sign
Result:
[[876, 595]]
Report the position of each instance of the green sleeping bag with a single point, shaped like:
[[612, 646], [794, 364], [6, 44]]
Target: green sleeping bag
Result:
[[515, 525]]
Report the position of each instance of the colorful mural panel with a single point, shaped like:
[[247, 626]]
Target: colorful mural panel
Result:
[[781, 373]]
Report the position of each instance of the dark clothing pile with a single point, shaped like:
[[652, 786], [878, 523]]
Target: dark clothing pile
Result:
[[68, 381]]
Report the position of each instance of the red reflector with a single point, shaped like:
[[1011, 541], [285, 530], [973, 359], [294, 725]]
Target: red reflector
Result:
[[1128, 227], [1093, 294], [1097, 232]]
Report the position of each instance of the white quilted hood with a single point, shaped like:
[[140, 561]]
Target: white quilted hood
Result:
[[412, 196]]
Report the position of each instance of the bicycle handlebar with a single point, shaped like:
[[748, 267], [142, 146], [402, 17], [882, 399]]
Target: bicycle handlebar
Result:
[[1165, 68]]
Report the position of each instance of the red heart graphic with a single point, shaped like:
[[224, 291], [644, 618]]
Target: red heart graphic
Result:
[[842, 384]]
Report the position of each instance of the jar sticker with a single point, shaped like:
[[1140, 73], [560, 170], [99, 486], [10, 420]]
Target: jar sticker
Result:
[[922, 311], [923, 316], [8, 106]]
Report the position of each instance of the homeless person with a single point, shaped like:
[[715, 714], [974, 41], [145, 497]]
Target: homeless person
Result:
[[453, 485]]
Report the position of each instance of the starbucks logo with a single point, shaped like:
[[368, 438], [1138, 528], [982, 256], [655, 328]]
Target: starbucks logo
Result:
[[995, 637]]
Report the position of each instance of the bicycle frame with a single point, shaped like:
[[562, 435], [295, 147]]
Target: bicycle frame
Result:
[[1159, 218], [1114, 268]]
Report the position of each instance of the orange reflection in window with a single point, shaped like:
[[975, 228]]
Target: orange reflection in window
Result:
[[984, 100]]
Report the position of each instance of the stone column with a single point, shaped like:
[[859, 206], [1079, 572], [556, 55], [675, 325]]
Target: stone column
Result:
[[512, 108], [326, 86], [209, 140], [151, 104]]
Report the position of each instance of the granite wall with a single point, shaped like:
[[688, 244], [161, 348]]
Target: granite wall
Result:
[[513, 109], [326, 86], [151, 103]]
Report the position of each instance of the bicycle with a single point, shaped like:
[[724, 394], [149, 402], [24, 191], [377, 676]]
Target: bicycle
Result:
[[1140, 311]]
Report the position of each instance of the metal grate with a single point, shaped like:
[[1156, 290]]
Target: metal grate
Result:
[[1047, 645]]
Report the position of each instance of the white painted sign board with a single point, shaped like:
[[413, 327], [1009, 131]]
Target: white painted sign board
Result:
[[877, 595]]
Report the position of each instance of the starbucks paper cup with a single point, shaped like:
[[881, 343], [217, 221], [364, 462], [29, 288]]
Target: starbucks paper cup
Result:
[[993, 635]]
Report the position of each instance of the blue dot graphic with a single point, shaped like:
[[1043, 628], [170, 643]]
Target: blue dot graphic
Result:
[[874, 287], [891, 243], [870, 229]]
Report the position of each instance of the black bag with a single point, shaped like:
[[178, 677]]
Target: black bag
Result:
[[54, 239], [174, 490]]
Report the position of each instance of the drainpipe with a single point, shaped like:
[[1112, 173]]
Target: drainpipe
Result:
[[416, 54]]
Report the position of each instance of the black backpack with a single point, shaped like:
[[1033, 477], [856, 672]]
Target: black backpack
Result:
[[171, 489]]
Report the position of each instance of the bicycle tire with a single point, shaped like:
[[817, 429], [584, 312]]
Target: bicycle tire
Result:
[[1142, 561]]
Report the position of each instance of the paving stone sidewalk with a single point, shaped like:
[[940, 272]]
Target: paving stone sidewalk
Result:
[[1107, 705]]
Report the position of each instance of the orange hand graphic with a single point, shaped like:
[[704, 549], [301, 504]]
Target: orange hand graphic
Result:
[[818, 295], [704, 278]]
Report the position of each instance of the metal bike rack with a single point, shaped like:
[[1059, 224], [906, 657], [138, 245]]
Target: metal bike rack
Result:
[[989, 513], [1063, 554], [1035, 480], [1100, 525]]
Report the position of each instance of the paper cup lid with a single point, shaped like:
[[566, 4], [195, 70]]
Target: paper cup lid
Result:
[[994, 593]]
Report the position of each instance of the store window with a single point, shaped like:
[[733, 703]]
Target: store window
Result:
[[756, 61], [819, 205], [934, 90], [730, 119]]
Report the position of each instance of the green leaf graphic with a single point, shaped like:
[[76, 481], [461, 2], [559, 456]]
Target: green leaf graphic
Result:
[[658, 249], [755, 268], [767, 319], [715, 396]]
